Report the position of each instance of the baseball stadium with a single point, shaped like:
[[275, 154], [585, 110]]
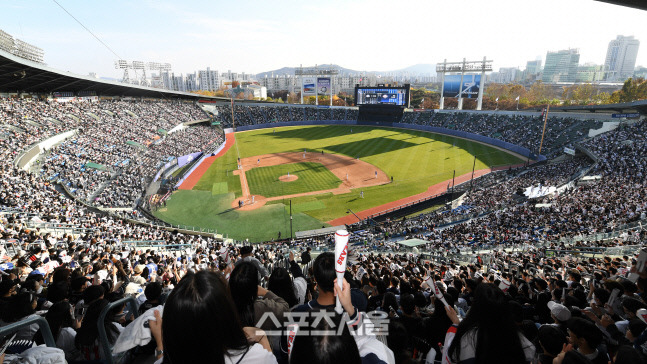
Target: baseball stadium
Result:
[[322, 173], [444, 213]]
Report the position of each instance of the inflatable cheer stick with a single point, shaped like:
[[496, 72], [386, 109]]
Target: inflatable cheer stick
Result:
[[439, 295], [341, 257]]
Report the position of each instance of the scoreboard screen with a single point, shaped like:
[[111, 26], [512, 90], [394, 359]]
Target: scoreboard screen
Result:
[[395, 96]]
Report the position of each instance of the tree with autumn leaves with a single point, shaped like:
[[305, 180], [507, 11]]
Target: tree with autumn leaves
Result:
[[632, 90], [537, 95]]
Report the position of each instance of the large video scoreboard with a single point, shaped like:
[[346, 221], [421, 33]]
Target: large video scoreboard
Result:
[[382, 95]]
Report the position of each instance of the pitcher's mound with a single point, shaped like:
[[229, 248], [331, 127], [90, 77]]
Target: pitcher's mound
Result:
[[290, 178]]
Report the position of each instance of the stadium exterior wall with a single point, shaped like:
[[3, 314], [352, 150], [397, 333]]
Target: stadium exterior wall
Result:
[[457, 133]]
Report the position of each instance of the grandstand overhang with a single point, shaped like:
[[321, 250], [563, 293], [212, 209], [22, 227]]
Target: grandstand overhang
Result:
[[638, 4], [621, 108], [21, 75]]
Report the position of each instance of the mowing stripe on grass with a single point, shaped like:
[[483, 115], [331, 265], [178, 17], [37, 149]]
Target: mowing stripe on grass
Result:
[[265, 181], [219, 188], [305, 206]]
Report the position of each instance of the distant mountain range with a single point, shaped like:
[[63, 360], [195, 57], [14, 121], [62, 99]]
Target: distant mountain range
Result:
[[415, 69]]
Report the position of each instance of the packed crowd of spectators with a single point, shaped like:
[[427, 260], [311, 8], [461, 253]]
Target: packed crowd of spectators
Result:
[[310, 113], [503, 307], [616, 199], [537, 306], [97, 164], [514, 129], [259, 114]]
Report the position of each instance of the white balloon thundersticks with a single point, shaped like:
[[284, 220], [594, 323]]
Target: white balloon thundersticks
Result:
[[341, 257]]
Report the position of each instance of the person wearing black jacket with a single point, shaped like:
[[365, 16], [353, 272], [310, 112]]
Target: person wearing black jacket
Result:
[[305, 256]]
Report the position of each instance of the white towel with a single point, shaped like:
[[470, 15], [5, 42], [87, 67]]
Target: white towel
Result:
[[38, 355], [135, 334]]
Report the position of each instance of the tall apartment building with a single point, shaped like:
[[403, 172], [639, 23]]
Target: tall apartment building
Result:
[[505, 75], [209, 80], [621, 58], [561, 66]]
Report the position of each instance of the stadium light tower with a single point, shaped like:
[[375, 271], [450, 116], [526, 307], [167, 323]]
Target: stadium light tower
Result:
[[122, 64], [142, 79]]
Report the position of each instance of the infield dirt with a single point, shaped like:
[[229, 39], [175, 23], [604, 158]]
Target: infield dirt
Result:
[[353, 172]]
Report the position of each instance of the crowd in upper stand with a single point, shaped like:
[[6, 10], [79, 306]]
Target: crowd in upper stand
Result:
[[560, 131], [126, 141], [505, 307], [257, 114]]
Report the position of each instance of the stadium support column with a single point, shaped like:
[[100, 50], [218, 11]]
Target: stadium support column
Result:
[[290, 220], [442, 86], [331, 87], [479, 104], [460, 88], [301, 79], [541, 144]]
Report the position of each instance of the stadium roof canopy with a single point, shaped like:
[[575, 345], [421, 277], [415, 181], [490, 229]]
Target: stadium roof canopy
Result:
[[621, 108], [638, 4], [21, 75]]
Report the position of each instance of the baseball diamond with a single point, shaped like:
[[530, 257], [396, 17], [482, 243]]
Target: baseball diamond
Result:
[[332, 165]]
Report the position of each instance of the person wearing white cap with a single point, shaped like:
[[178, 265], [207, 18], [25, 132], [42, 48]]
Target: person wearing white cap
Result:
[[560, 315], [137, 274]]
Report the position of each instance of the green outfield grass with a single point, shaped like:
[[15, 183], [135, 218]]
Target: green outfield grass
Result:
[[415, 159], [220, 174], [264, 181], [202, 209]]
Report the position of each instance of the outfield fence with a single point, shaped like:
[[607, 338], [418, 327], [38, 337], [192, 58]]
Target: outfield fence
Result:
[[525, 152]]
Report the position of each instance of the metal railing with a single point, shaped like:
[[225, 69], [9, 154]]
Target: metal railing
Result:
[[616, 233], [43, 326], [103, 338]]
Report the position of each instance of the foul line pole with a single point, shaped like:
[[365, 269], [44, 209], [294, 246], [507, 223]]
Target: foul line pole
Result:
[[544, 131]]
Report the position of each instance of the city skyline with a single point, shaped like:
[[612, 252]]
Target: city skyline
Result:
[[255, 37]]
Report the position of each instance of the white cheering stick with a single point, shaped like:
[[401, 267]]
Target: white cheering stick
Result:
[[341, 257], [439, 295], [504, 284]]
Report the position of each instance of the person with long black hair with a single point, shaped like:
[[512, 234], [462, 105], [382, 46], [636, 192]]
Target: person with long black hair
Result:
[[200, 324], [281, 284], [245, 291], [87, 336], [63, 325], [488, 333]]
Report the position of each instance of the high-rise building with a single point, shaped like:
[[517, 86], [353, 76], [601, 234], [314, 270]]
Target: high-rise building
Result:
[[561, 66], [621, 58], [209, 80], [590, 73], [505, 75], [533, 67]]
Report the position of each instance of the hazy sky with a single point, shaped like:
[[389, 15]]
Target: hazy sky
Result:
[[257, 36]]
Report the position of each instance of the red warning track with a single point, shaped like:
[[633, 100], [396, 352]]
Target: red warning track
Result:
[[195, 176], [431, 191]]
